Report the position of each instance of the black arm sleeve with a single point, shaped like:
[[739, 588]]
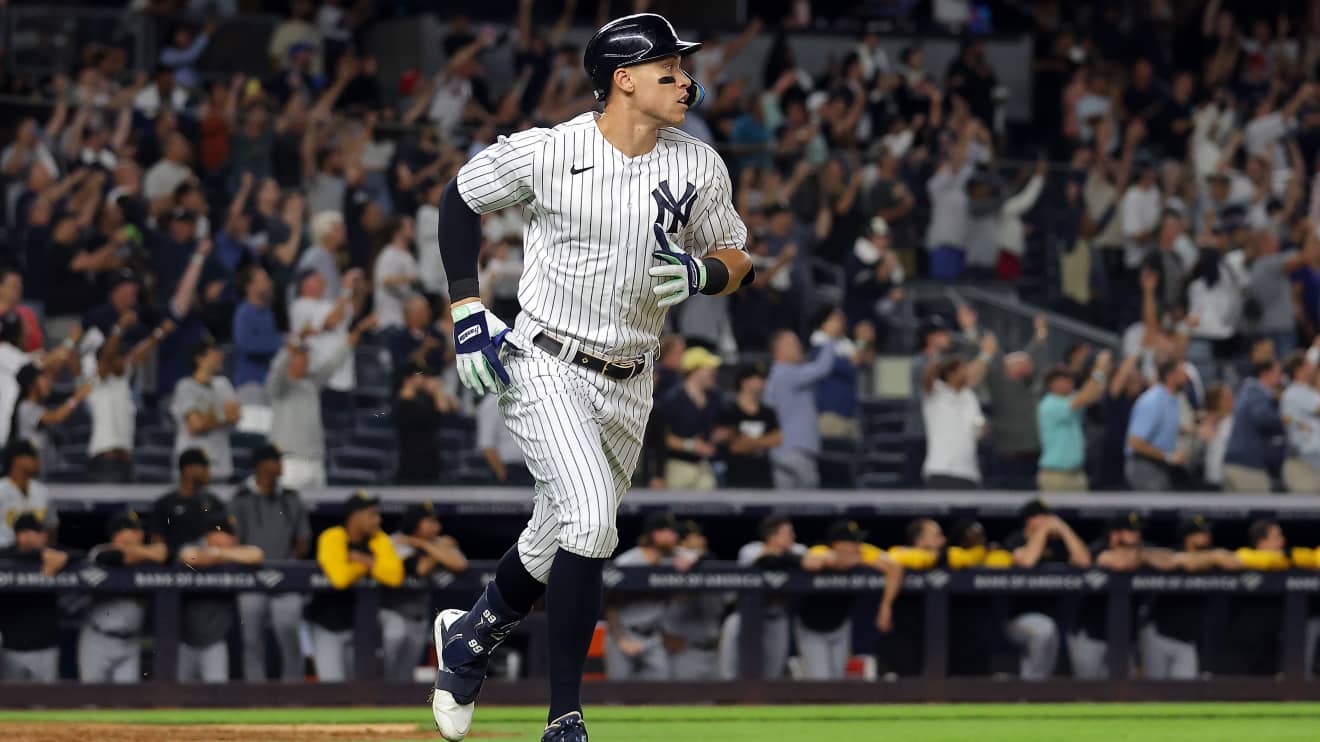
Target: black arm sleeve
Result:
[[460, 230]]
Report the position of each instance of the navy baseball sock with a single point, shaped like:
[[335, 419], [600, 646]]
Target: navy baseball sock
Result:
[[518, 589], [572, 605]]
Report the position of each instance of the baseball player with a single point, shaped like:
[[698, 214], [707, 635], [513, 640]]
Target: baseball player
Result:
[[627, 216]]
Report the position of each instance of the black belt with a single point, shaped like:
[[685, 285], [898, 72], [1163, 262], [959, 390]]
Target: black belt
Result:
[[620, 370]]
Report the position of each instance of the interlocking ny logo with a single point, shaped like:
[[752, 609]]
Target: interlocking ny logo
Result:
[[775, 580], [611, 577], [1096, 579], [93, 575], [937, 578], [678, 209], [1251, 580]]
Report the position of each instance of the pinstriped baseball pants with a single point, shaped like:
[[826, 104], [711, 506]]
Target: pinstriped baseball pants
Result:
[[581, 434]]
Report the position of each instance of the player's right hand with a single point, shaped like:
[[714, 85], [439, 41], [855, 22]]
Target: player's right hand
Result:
[[478, 335]]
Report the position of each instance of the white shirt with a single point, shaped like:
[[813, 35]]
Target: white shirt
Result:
[[948, 207], [587, 247], [1217, 309], [1261, 137], [430, 264], [114, 416], [448, 103], [13, 503], [1139, 213], [163, 178], [11, 360], [1010, 236], [1300, 404], [1215, 450], [392, 261], [307, 312], [953, 425], [148, 100]]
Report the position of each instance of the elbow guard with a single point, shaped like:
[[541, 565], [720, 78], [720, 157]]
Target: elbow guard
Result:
[[461, 227]]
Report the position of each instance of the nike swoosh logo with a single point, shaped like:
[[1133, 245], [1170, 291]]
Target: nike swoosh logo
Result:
[[575, 171]]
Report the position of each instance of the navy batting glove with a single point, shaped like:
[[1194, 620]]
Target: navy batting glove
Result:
[[684, 275], [477, 351]]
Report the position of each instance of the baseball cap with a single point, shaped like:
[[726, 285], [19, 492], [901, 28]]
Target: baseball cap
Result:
[[266, 452], [1033, 508], [748, 371], [222, 523], [122, 277], [698, 357], [193, 457], [122, 521], [659, 521], [360, 500], [415, 514], [879, 227], [689, 528], [1193, 524], [27, 522], [845, 530], [1129, 521]]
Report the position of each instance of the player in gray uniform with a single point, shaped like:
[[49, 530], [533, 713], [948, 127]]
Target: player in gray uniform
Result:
[[30, 622], [627, 216], [274, 519], [691, 623], [406, 614], [636, 647], [205, 619], [109, 646], [778, 549]]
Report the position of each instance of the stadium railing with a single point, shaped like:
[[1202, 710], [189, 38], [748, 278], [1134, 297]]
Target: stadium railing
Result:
[[937, 587]]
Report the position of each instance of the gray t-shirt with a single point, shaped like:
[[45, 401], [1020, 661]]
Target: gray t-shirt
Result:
[[191, 395], [271, 522], [14, 502], [388, 301], [1269, 285], [30, 429]]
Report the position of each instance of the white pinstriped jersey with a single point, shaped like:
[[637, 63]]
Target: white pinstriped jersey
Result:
[[588, 243]]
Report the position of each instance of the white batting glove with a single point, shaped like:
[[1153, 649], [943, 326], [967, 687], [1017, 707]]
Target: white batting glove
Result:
[[478, 335], [684, 275]]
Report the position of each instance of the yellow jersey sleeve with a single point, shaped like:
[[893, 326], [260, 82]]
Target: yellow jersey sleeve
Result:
[[911, 558], [1262, 560], [998, 559], [332, 555], [964, 558]]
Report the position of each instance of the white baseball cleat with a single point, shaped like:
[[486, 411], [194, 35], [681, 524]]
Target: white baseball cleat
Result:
[[453, 719]]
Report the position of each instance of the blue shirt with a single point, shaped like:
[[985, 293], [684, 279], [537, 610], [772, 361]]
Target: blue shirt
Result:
[[1062, 442], [1258, 435], [1155, 420], [256, 340], [790, 392], [837, 392]]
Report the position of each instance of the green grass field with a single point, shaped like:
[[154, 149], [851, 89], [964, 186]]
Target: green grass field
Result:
[[1257, 722]]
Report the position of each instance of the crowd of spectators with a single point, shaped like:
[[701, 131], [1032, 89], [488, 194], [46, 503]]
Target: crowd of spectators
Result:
[[217, 247]]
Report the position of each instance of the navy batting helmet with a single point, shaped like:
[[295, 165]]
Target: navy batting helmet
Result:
[[632, 39]]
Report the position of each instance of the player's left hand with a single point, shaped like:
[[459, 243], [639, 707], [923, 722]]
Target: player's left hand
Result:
[[478, 335], [684, 275]]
